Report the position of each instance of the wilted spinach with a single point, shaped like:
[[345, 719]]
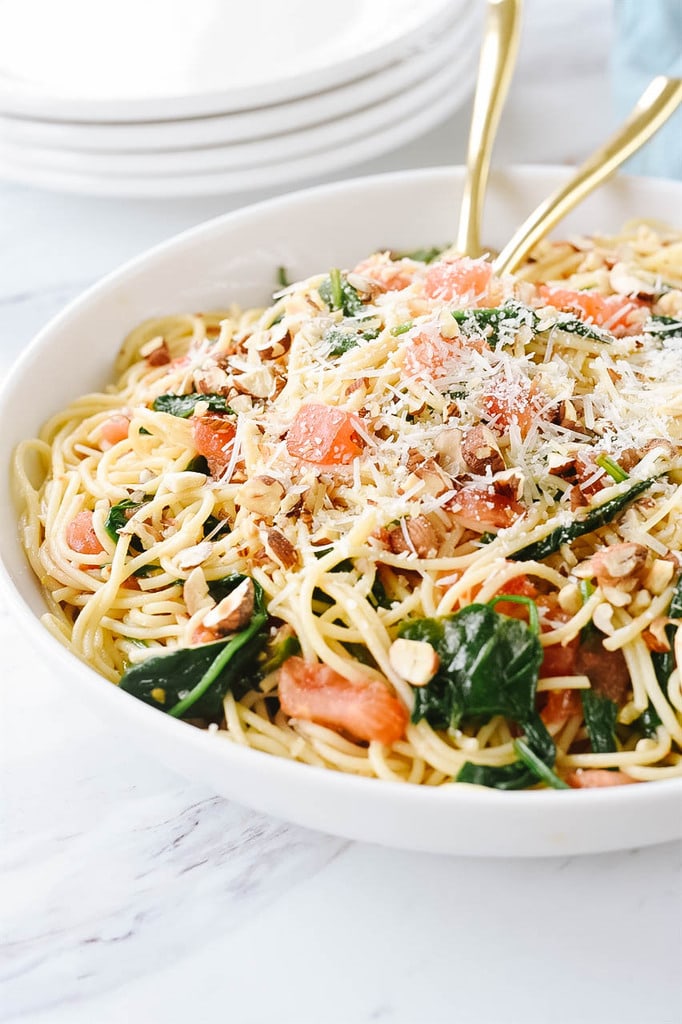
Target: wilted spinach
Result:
[[184, 405], [118, 517], [664, 661], [592, 519], [339, 294], [196, 679], [600, 721], [489, 665]]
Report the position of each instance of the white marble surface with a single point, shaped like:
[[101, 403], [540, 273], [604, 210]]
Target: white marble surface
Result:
[[130, 895]]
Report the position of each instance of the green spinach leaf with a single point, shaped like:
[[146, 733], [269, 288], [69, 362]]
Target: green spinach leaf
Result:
[[489, 665], [590, 520], [184, 405], [220, 526], [336, 341], [538, 749], [196, 679], [197, 465], [600, 721], [649, 721], [118, 517], [664, 327], [339, 294], [664, 661]]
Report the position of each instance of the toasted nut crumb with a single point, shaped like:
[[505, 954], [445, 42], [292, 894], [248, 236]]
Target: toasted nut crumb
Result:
[[280, 549], [212, 380], [195, 592], [414, 660], [481, 451], [568, 416], [194, 555], [448, 444], [624, 281], [509, 483], [655, 636], [561, 465], [422, 538], [619, 561], [262, 495], [259, 382], [659, 576], [233, 612]]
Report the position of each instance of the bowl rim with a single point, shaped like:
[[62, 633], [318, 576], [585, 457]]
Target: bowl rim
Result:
[[195, 740]]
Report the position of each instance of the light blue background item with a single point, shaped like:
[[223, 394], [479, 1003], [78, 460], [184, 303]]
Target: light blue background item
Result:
[[648, 42]]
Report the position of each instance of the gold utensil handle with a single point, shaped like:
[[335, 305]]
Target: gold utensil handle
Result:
[[496, 65], [658, 101]]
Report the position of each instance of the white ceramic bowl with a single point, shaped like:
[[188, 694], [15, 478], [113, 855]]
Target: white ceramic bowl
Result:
[[233, 258]]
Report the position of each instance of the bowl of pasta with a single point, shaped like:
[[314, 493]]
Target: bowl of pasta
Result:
[[361, 534]]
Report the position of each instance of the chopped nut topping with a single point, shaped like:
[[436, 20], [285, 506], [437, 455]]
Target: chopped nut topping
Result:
[[262, 495], [212, 380], [481, 451], [195, 555], [280, 549], [233, 612], [561, 465], [448, 444], [659, 576], [570, 598], [568, 417], [195, 592], [509, 483], [258, 382], [422, 538], [655, 636], [624, 281], [414, 660]]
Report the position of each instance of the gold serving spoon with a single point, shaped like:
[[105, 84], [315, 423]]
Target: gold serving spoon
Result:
[[659, 100], [498, 56]]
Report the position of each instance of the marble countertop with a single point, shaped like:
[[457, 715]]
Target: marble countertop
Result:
[[128, 894]]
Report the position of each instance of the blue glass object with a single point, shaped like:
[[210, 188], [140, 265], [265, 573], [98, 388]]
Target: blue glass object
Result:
[[648, 42]]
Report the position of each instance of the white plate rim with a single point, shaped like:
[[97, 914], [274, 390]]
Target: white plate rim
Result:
[[437, 14], [285, 147], [246, 125], [655, 802], [328, 161]]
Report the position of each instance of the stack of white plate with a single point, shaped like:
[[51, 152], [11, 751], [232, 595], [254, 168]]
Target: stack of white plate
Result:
[[192, 97]]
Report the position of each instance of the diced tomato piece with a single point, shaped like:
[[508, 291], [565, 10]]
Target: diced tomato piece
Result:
[[607, 670], [213, 437], [115, 429], [480, 509], [559, 660], [81, 536], [392, 276], [436, 356], [462, 280], [316, 693], [560, 705], [325, 435], [519, 586], [510, 402], [593, 778], [613, 312]]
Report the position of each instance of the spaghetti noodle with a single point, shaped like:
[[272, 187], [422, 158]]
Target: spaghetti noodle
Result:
[[411, 522]]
